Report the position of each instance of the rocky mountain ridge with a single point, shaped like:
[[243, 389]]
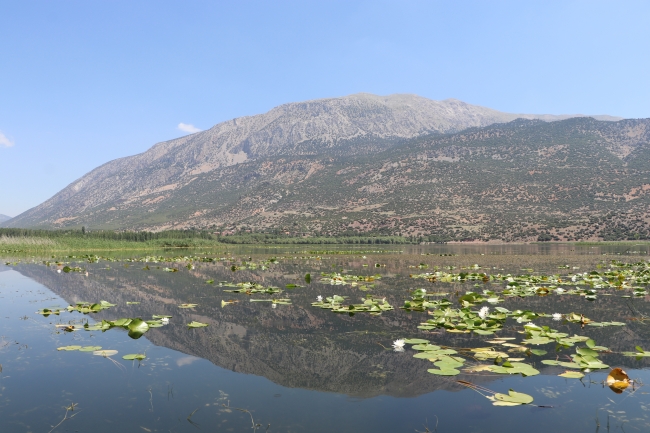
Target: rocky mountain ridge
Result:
[[213, 178]]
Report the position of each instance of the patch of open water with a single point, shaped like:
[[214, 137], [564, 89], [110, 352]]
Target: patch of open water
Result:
[[300, 368]]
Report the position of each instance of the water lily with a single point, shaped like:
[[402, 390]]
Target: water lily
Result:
[[557, 316], [398, 345], [483, 312], [274, 305], [531, 325], [319, 298], [165, 320], [560, 290]]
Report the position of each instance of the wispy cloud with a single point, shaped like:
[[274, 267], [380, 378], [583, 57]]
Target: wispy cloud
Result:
[[186, 127], [186, 360], [5, 142]]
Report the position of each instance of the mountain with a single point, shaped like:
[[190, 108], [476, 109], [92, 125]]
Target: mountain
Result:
[[377, 165], [4, 218]]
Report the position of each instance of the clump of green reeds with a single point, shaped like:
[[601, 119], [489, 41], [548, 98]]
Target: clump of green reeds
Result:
[[25, 240]]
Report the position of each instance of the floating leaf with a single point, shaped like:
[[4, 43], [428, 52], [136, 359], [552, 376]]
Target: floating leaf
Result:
[[105, 353], [513, 398], [446, 372], [617, 380], [68, 348], [515, 368], [154, 323], [137, 328], [195, 324], [230, 302], [586, 351], [448, 363], [415, 341], [90, 348], [572, 375], [132, 356], [122, 322], [46, 312]]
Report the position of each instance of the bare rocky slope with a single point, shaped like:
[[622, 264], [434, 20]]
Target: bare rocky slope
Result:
[[286, 146]]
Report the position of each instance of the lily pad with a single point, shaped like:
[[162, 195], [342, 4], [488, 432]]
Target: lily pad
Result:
[[137, 328], [105, 353], [572, 375], [416, 341], [195, 324], [132, 356], [446, 372], [617, 380], [513, 398], [90, 348]]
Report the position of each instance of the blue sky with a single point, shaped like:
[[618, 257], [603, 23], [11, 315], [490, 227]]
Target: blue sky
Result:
[[85, 82]]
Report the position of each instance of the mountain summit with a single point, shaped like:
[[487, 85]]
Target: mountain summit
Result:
[[183, 182]]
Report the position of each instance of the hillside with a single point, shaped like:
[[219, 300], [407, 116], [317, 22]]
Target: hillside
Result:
[[366, 164], [577, 179], [4, 218]]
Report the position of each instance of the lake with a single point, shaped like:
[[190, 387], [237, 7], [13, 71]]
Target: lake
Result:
[[271, 361]]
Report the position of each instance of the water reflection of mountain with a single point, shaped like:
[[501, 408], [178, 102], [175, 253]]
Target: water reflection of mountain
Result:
[[302, 346]]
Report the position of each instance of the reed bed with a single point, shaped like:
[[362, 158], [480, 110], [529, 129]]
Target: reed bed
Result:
[[26, 240]]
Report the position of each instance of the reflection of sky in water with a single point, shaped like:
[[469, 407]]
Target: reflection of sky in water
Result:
[[159, 394]]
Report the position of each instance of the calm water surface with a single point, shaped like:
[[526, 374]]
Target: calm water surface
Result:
[[298, 368]]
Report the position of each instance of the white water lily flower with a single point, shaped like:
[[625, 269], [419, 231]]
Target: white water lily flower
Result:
[[274, 305], [557, 316], [165, 320], [319, 298], [483, 312], [560, 290], [398, 345], [58, 271]]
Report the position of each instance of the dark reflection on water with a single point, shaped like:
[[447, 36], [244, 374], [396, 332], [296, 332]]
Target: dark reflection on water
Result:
[[297, 367]]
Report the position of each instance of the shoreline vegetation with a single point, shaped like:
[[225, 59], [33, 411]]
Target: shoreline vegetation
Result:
[[36, 240]]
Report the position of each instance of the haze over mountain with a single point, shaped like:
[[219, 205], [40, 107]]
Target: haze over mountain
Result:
[[373, 164], [4, 218]]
